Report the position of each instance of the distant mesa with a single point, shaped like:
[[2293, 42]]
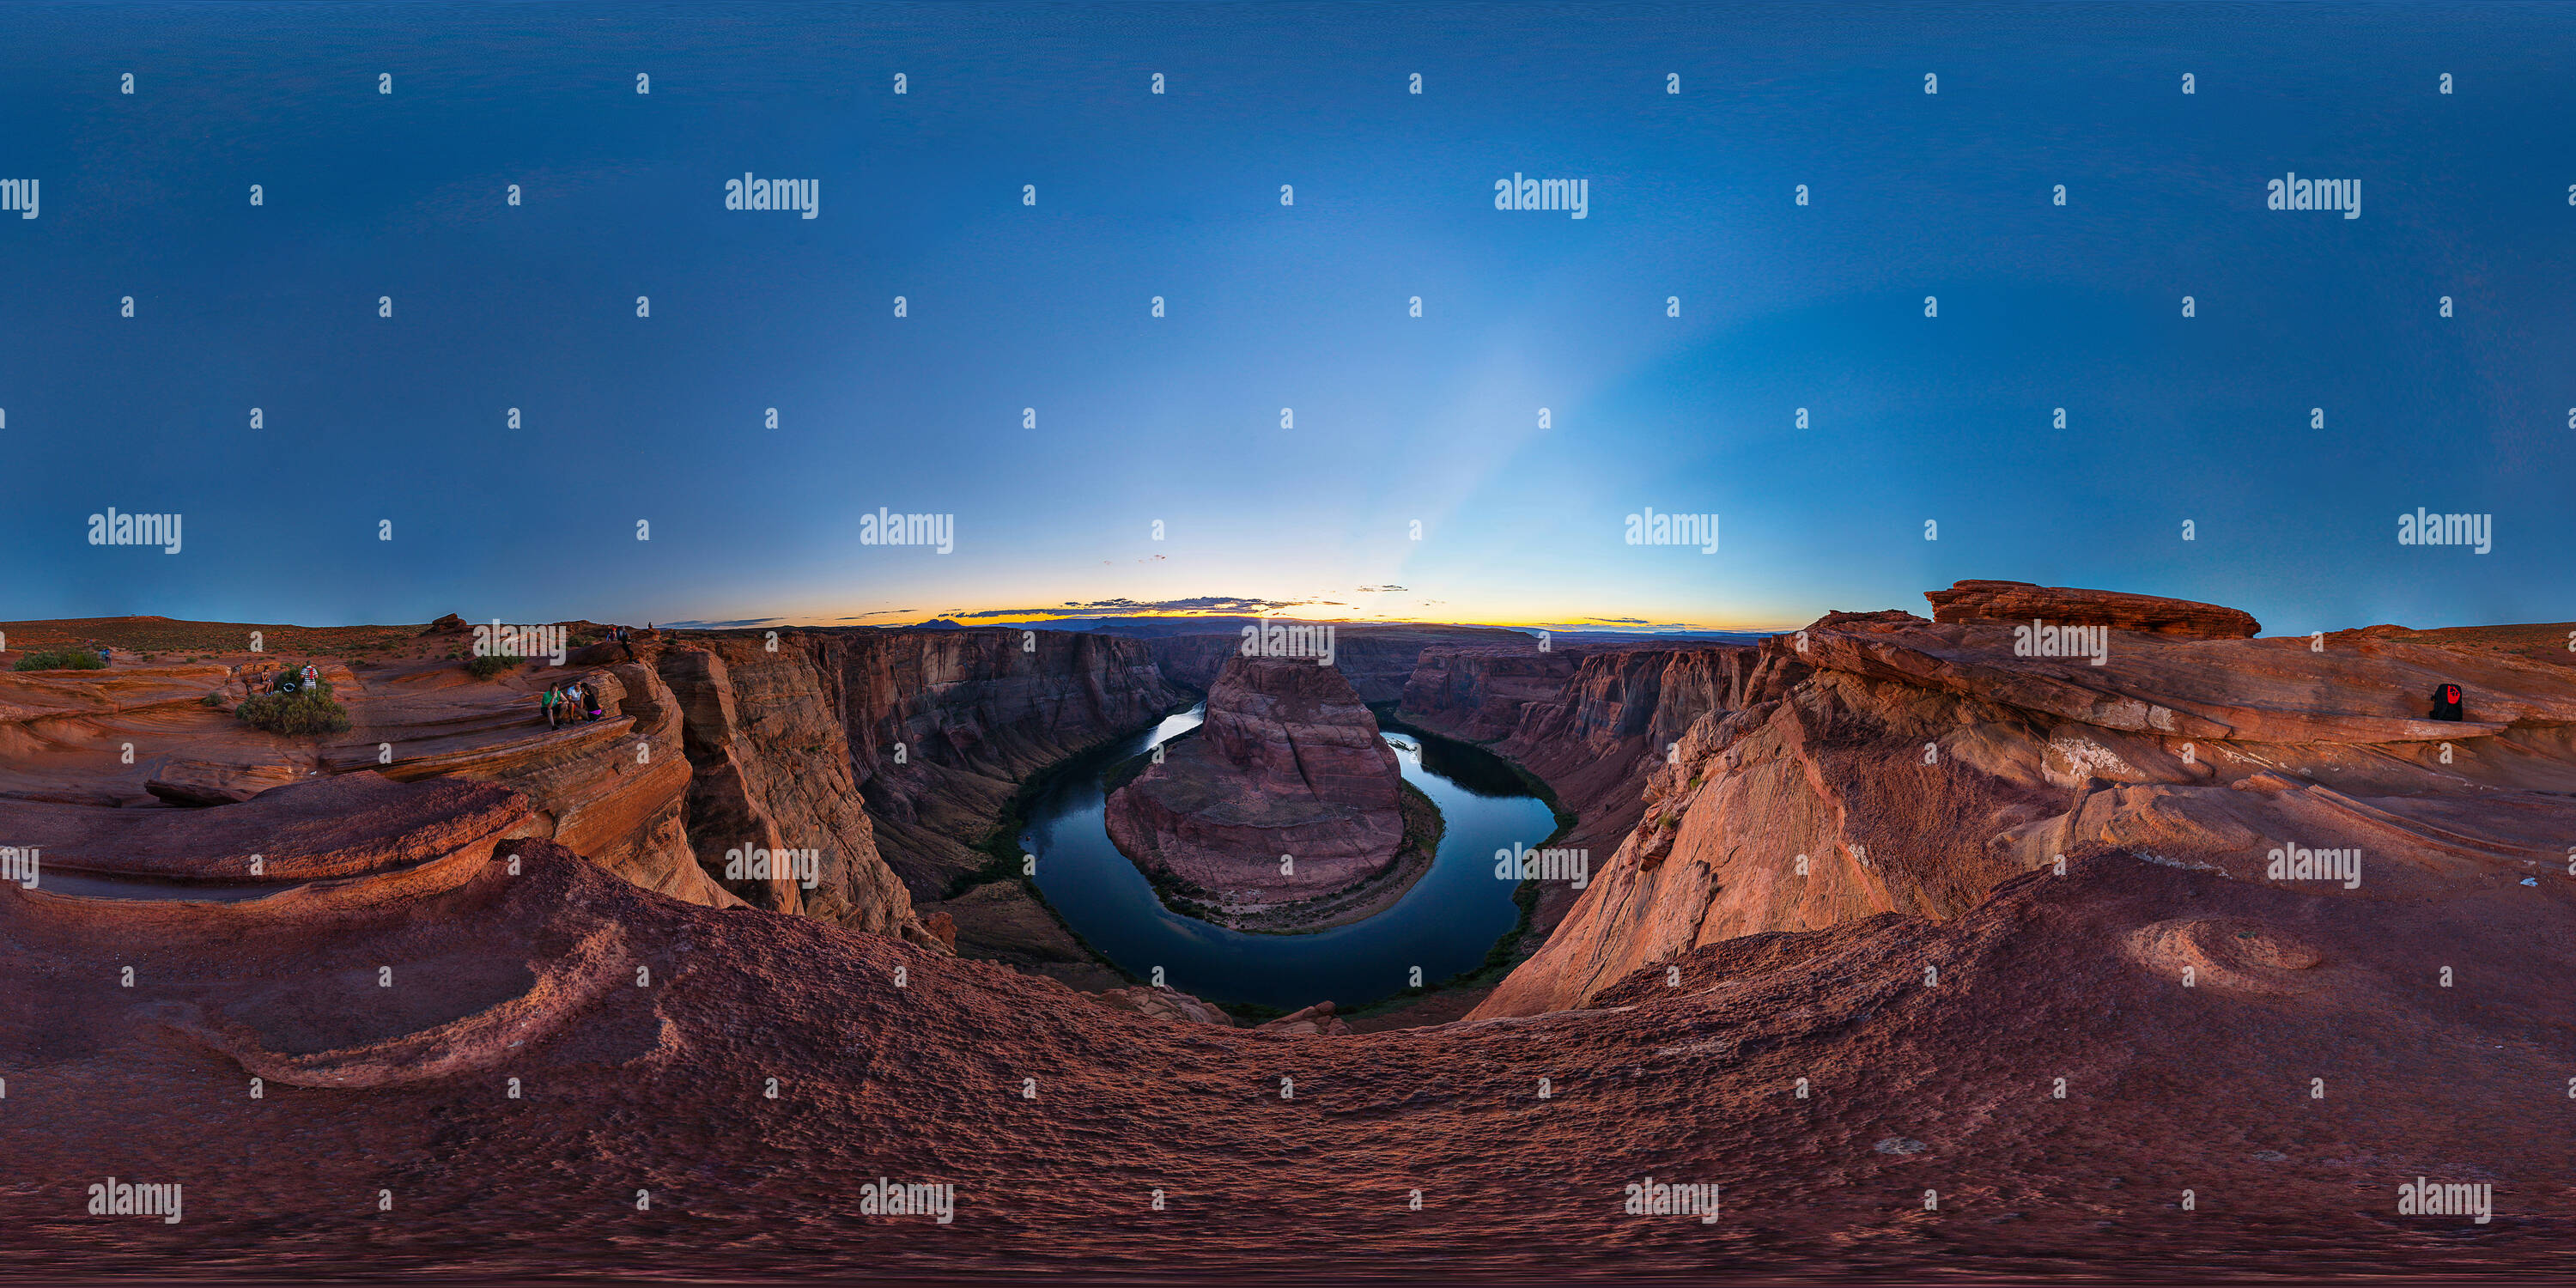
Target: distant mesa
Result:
[[1289, 762], [2022, 601]]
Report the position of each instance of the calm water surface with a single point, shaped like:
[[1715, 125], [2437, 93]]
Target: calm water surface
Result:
[[1445, 924]]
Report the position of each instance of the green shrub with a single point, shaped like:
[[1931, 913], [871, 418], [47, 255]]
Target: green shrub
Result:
[[311, 711], [484, 668], [66, 660]]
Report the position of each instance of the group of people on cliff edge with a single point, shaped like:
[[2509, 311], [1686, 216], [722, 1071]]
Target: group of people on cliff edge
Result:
[[567, 703]]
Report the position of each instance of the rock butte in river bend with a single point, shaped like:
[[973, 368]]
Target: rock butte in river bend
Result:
[[1708, 980], [1287, 761]]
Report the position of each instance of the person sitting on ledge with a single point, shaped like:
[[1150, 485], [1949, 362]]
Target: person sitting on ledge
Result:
[[2446, 701]]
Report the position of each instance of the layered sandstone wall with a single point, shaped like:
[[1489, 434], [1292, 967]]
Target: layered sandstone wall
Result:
[[891, 750], [1593, 722], [975, 713], [1477, 692], [1617, 698], [770, 770], [1192, 661]]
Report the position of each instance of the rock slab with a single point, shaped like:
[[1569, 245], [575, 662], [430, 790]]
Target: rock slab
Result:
[[2022, 601]]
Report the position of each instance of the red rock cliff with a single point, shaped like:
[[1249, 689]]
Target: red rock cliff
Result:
[[1884, 764]]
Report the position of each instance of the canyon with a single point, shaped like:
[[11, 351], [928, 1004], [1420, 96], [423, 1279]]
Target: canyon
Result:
[[1924, 948]]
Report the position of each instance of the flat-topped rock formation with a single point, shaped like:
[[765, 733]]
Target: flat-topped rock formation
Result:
[[2021, 601], [1288, 762]]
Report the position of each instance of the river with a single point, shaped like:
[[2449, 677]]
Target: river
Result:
[[1444, 925]]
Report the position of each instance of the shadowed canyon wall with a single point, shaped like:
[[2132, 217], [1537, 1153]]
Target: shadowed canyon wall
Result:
[[934, 729], [1594, 722]]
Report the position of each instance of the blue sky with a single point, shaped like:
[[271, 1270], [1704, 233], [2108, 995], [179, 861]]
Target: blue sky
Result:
[[1396, 419]]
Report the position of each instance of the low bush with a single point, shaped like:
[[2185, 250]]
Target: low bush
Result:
[[310, 711], [484, 668], [65, 660]]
